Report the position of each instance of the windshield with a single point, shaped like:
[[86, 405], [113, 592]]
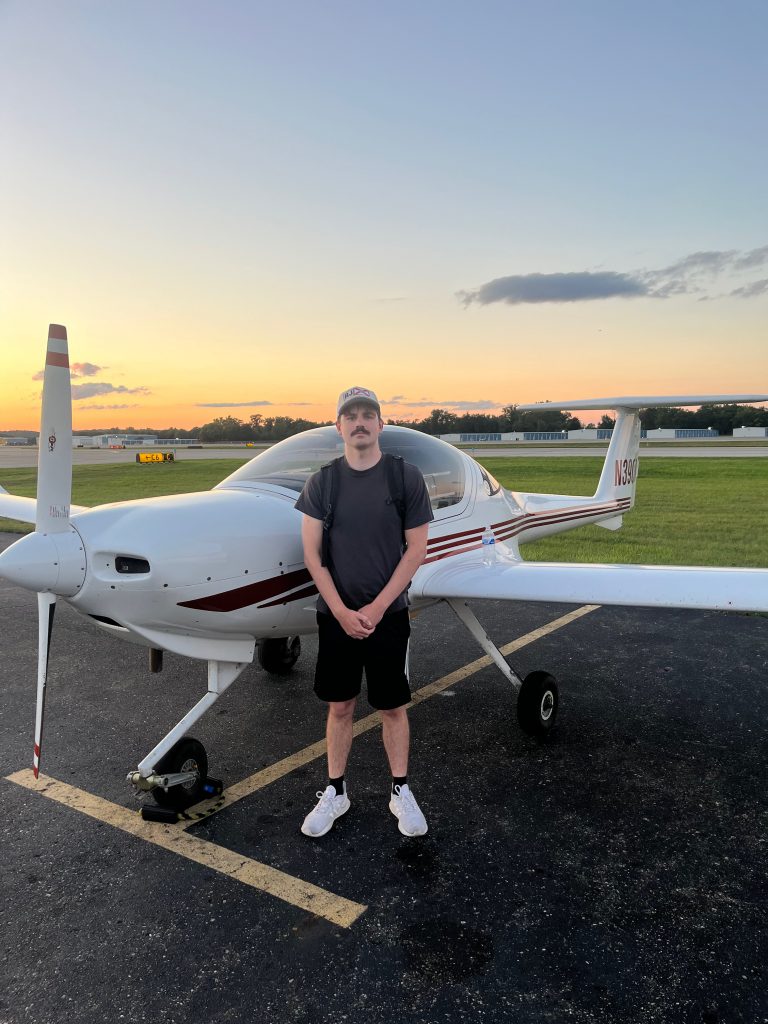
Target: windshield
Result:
[[289, 463]]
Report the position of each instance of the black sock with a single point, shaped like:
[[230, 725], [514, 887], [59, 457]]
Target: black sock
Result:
[[338, 785], [399, 781]]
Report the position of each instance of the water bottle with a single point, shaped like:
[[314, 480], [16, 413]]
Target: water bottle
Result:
[[489, 546]]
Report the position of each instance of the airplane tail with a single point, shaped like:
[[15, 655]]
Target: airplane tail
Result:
[[618, 478], [619, 475]]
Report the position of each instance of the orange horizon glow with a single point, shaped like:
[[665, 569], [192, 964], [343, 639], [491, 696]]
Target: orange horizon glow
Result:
[[411, 376]]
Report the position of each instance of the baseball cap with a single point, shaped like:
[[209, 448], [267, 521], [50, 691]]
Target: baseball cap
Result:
[[352, 396]]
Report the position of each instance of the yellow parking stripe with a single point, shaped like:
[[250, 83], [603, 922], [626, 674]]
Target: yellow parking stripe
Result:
[[276, 771], [259, 876], [295, 891]]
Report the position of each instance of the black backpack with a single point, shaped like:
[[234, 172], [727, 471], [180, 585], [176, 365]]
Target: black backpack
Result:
[[329, 479]]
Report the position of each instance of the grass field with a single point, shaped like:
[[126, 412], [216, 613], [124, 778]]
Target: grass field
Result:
[[688, 511], [95, 485], [731, 442]]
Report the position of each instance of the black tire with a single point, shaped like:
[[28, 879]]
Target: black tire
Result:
[[278, 655], [537, 703], [187, 755]]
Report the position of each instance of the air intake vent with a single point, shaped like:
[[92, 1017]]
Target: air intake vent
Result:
[[108, 622], [131, 566]]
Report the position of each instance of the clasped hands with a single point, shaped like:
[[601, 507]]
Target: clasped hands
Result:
[[360, 624]]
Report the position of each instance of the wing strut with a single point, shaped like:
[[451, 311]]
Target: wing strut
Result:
[[466, 616]]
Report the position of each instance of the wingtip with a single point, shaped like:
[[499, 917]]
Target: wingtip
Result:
[[57, 331]]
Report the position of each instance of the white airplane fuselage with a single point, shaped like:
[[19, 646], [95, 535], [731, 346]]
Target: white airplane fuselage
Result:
[[206, 574], [225, 564]]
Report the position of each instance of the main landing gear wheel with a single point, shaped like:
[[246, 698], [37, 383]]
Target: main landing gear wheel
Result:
[[187, 755], [278, 655], [537, 703]]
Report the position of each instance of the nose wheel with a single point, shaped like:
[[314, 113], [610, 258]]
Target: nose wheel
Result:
[[537, 703], [187, 758]]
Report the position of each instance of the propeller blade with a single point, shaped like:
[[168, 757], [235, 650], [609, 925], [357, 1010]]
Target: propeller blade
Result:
[[46, 606], [54, 462]]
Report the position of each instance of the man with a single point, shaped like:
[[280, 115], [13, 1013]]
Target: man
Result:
[[362, 610]]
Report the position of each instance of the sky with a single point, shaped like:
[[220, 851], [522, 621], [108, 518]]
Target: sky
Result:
[[248, 207]]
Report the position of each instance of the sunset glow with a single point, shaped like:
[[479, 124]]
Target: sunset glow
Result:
[[246, 208]]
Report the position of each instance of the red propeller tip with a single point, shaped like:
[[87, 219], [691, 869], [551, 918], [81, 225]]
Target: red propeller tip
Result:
[[57, 331]]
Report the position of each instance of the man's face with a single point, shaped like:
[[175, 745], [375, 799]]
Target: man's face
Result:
[[360, 426]]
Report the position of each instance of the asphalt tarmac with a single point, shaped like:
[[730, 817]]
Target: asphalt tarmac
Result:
[[614, 873]]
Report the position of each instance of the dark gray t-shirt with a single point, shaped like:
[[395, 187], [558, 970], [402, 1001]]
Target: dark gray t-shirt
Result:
[[365, 541]]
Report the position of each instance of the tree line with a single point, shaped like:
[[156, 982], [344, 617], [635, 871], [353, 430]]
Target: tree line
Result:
[[267, 429]]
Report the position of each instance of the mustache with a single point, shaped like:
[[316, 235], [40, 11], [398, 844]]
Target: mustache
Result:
[[359, 430]]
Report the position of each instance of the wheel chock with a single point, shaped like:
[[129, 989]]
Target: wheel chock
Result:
[[162, 814], [213, 787]]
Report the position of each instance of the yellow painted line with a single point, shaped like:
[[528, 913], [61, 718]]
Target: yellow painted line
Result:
[[259, 876], [276, 771]]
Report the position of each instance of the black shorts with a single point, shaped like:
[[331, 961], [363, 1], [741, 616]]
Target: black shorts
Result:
[[384, 656]]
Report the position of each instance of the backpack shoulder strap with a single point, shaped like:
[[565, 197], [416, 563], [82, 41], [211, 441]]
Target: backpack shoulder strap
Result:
[[329, 485], [396, 482]]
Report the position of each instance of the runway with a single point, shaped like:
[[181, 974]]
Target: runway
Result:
[[614, 873], [26, 458]]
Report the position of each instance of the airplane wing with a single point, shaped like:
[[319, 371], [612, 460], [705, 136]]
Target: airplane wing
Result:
[[12, 506], [652, 586]]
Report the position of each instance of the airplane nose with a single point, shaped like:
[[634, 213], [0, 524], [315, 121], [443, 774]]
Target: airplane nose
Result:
[[46, 562]]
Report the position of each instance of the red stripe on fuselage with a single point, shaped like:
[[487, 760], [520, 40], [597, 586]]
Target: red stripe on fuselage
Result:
[[573, 510], [241, 597], [279, 587], [56, 358], [297, 596], [531, 521]]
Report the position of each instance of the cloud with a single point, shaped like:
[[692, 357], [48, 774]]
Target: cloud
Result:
[[753, 258], [462, 405], [80, 391], [748, 291], [135, 405], [229, 405], [76, 370], [690, 275], [85, 369], [572, 287], [243, 405]]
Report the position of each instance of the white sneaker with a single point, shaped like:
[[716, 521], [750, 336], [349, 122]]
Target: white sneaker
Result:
[[410, 820], [330, 806]]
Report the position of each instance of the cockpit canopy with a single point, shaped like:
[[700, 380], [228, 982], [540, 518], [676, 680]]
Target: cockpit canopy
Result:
[[289, 463]]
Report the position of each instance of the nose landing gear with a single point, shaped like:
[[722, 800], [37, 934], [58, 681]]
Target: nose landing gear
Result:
[[188, 759], [176, 770]]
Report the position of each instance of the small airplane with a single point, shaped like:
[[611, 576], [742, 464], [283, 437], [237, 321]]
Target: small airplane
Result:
[[213, 574]]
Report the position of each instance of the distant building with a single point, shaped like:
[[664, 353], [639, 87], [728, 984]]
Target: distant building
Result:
[[680, 433], [750, 432], [481, 438], [111, 440], [120, 441]]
